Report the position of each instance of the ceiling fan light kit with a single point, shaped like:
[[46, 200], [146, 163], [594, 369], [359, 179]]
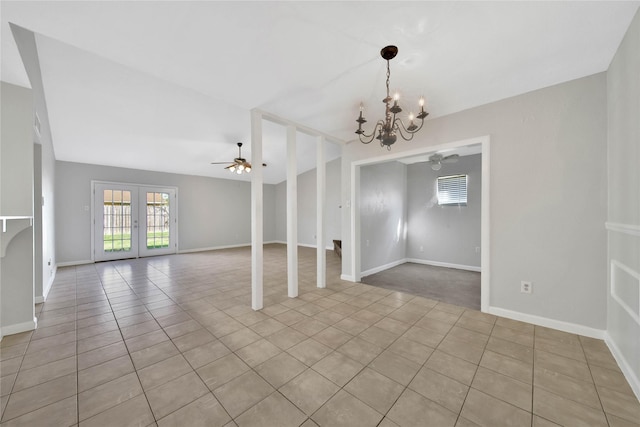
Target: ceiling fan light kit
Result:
[[239, 164], [387, 130], [436, 160]]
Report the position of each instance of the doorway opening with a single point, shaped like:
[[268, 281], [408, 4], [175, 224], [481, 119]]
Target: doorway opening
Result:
[[358, 247]]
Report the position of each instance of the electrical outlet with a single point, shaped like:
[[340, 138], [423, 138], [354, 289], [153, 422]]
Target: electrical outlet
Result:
[[367, 242], [477, 249], [526, 287]]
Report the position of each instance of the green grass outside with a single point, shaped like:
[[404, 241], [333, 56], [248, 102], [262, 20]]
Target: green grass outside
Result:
[[158, 240], [122, 242]]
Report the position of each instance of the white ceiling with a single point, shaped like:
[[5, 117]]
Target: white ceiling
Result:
[[169, 85]]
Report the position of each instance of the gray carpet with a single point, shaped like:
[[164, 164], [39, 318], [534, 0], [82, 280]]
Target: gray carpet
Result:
[[448, 285]]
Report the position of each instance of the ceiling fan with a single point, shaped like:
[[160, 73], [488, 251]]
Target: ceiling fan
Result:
[[239, 164], [437, 160]]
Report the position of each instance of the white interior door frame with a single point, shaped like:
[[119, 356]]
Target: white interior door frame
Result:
[[140, 234], [485, 204], [164, 193]]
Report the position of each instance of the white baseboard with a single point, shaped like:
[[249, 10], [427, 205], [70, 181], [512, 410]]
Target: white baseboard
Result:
[[304, 245], [631, 377], [560, 325], [72, 263], [444, 264], [418, 261], [382, 267], [213, 248], [19, 327], [39, 300], [347, 277]]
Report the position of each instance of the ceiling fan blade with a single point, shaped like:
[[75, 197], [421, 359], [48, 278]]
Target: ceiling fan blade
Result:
[[220, 163], [230, 166], [450, 159]]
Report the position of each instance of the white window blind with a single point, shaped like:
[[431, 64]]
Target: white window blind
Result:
[[452, 190]]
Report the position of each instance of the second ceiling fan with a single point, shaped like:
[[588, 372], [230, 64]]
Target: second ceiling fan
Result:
[[436, 160]]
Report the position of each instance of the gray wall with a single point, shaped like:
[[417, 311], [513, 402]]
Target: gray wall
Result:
[[548, 196], [44, 206], [211, 212], [16, 186], [307, 206], [383, 221], [623, 101], [16, 199], [447, 234]]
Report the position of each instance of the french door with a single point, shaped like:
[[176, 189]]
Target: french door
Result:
[[133, 221]]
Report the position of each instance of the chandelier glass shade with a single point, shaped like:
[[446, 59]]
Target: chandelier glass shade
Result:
[[387, 130]]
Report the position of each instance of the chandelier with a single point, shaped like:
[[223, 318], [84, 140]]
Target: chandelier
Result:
[[388, 129]]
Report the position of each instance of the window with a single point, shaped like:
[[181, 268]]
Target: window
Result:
[[452, 190]]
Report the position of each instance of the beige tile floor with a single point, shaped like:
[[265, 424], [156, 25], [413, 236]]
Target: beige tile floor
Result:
[[173, 341]]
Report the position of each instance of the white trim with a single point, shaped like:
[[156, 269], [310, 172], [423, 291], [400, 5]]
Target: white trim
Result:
[[257, 218], [617, 265], [347, 277], [139, 188], [378, 269], [630, 229], [628, 373], [39, 300], [560, 325], [321, 202], [4, 220], [354, 204], [213, 248], [19, 327], [47, 289], [292, 213], [72, 263], [282, 242], [485, 226], [444, 264], [328, 248], [485, 280]]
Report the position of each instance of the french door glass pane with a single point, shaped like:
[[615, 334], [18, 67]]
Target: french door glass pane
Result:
[[117, 221], [158, 220]]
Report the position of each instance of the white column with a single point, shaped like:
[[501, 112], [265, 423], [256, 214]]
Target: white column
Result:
[[292, 212], [321, 193], [256, 212]]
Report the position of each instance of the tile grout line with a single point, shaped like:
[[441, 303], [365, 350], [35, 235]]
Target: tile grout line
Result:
[[594, 382], [475, 373], [126, 347], [194, 285], [179, 351], [16, 379], [533, 375]]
